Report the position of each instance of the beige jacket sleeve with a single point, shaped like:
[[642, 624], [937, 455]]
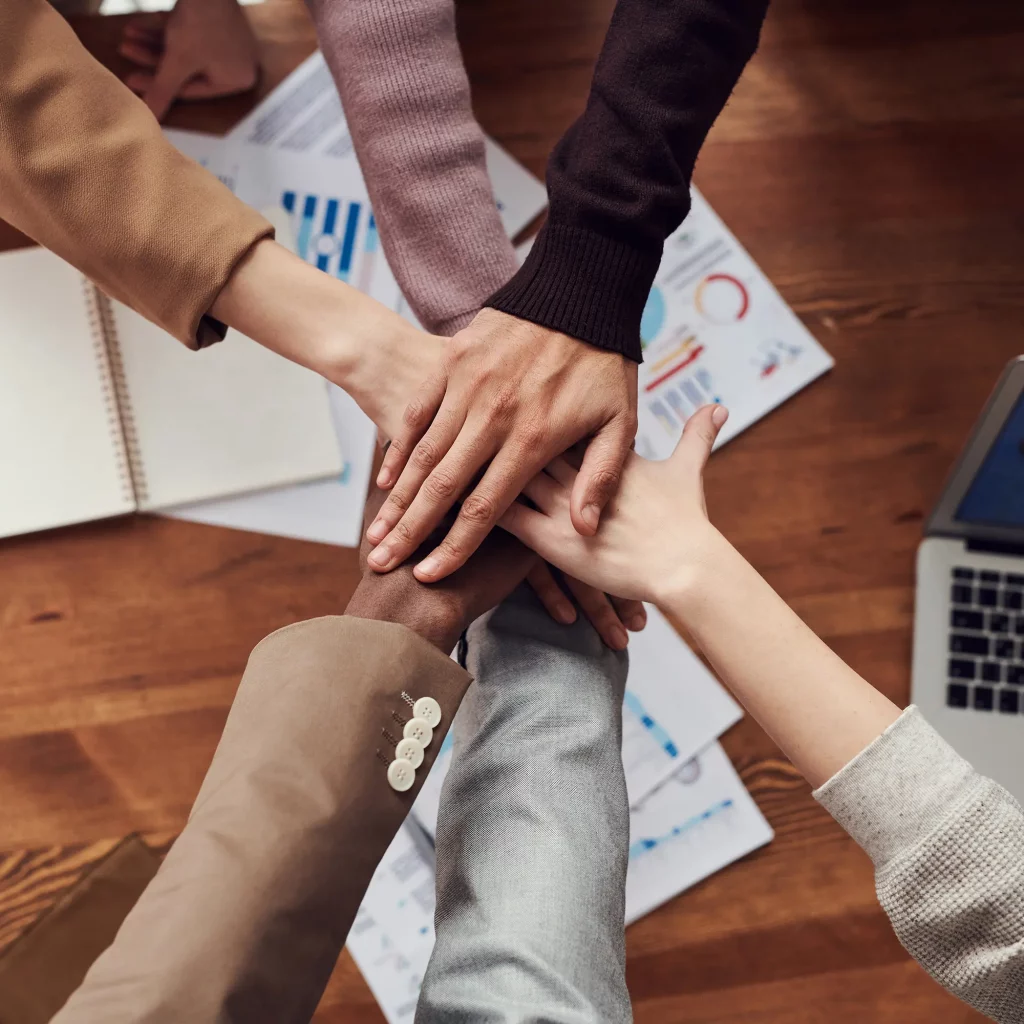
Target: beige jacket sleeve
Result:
[[86, 172], [250, 909]]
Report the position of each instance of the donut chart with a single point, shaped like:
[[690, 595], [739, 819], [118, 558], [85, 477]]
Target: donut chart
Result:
[[653, 318], [722, 299]]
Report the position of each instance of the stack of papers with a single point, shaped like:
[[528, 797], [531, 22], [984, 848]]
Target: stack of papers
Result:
[[690, 815]]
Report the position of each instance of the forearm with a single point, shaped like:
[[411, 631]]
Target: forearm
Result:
[[249, 911], [818, 710], [406, 96], [619, 179], [85, 171]]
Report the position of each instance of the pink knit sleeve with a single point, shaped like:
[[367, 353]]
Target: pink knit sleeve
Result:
[[399, 70]]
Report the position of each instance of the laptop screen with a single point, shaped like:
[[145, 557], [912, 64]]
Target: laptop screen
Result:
[[996, 494]]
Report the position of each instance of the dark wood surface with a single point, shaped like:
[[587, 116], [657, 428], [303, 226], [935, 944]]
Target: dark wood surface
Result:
[[871, 162]]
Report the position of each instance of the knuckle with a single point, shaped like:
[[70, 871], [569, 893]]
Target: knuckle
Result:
[[396, 505], [441, 485], [402, 532], [478, 510], [532, 437], [414, 413], [426, 455], [503, 405], [604, 479]]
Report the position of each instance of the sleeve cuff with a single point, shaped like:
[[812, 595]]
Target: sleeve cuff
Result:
[[896, 790], [584, 285]]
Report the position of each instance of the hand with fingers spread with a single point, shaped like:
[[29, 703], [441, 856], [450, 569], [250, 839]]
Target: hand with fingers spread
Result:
[[509, 396], [201, 50], [654, 531]]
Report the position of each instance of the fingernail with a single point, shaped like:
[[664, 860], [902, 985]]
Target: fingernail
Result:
[[377, 532], [619, 639], [429, 566], [384, 478], [637, 622], [380, 556], [591, 516], [720, 415], [566, 614]]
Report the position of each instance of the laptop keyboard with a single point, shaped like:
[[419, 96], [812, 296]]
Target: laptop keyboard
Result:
[[986, 641]]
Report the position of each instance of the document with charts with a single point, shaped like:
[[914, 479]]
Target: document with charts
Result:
[[715, 330]]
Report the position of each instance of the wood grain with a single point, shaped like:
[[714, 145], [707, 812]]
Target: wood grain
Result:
[[870, 161]]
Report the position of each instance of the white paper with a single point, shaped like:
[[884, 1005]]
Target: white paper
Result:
[[715, 330], [393, 934], [304, 115], [693, 825], [674, 707]]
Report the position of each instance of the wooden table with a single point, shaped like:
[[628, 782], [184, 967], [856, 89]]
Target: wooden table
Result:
[[871, 161]]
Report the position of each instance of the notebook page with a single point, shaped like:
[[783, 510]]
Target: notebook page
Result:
[[233, 417], [60, 451]]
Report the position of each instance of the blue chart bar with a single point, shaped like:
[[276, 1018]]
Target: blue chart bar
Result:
[[348, 243], [306, 226], [644, 844], [288, 202], [330, 221], [633, 705]]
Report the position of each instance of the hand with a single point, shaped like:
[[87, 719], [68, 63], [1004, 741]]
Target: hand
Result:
[[515, 395], [202, 49], [653, 532], [440, 613], [610, 616]]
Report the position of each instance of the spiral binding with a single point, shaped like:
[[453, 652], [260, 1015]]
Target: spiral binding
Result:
[[114, 383]]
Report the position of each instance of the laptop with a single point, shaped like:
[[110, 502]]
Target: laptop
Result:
[[968, 672]]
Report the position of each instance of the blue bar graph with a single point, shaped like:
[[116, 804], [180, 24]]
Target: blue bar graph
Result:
[[349, 240], [632, 704], [647, 843]]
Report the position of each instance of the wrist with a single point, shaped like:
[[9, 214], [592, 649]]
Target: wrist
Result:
[[681, 589], [436, 620]]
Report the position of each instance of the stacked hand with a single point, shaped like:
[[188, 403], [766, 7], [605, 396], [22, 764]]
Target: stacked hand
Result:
[[201, 50], [654, 532]]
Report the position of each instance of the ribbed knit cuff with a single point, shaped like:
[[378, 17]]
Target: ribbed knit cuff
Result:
[[584, 285], [899, 788]]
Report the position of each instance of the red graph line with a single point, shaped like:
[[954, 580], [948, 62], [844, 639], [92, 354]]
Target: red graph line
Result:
[[675, 369]]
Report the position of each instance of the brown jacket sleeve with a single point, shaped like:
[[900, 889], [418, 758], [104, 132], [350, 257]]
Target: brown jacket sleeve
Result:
[[250, 909], [86, 172]]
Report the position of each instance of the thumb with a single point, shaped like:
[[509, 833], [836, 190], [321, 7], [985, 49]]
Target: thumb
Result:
[[599, 475], [173, 72], [699, 436]]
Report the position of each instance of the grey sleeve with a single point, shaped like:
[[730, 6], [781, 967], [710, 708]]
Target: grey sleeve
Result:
[[948, 849], [533, 831]]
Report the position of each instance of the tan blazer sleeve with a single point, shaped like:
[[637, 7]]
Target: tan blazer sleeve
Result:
[[249, 911], [86, 172]]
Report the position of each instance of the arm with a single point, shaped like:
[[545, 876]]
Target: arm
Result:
[[947, 844], [249, 911], [406, 98], [619, 185], [85, 171]]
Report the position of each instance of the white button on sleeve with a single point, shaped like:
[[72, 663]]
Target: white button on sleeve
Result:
[[410, 750], [429, 710], [401, 775], [417, 729]]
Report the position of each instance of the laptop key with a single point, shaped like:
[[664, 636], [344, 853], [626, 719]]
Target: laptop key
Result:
[[967, 643], [1009, 701], [1018, 625], [1015, 675], [1013, 599], [963, 618], [961, 594], [961, 668], [983, 696], [987, 597], [956, 695], [998, 622], [1004, 648], [991, 671], [963, 573], [1014, 580], [988, 576]]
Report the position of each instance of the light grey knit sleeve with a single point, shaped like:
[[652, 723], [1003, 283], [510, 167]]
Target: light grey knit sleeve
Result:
[[948, 849]]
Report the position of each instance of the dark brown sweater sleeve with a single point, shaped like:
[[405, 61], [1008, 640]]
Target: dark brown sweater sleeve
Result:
[[619, 179], [86, 172]]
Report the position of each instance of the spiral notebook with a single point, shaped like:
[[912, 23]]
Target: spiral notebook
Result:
[[103, 413]]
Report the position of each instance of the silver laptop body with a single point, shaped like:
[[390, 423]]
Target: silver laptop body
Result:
[[968, 672]]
